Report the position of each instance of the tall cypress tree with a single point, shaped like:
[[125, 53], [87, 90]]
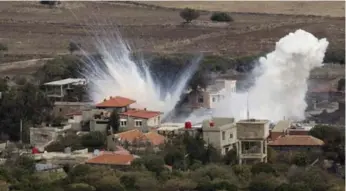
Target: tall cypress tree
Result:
[[114, 124]]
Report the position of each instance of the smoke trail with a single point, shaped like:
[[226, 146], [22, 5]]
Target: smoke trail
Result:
[[279, 91], [115, 73]]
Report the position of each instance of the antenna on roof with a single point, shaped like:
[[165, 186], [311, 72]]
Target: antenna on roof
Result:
[[247, 106]]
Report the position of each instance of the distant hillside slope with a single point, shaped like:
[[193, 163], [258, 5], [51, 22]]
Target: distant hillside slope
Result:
[[318, 8]]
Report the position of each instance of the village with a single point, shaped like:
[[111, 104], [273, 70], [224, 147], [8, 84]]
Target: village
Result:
[[172, 96], [141, 128]]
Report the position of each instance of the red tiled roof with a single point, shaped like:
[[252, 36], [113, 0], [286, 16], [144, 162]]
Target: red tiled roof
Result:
[[155, 138], [116, 102], [297, 140], [132, 135], [112, 159], [140, 113]]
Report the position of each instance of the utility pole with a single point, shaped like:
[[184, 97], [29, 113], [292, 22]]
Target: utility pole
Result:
[[247, 107]]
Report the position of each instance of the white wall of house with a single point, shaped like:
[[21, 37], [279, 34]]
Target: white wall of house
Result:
[[154, 122], [127, 123], [75, 119], [223, 139]]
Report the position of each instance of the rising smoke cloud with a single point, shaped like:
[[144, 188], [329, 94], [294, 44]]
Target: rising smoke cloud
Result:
[[279, 91], [117, 74]]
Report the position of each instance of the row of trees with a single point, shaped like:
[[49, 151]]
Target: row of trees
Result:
[[24, 102], [194, 167], [191, 14]]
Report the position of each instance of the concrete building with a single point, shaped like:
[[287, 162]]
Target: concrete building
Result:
[[135, 138], [118, 103], [304, 143], [143, 120], [212, 95], [287, 127], [61, 109], [75, 120], [130, 118], [170, 129], [281, 128], [221, 133], [191, 129], [99, 117], [252, 137], [57, 90]]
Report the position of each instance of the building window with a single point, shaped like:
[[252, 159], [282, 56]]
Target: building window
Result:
[[231, 136], [200, 99], [123, 122], [213, 99], [223, 135], [138, 123]]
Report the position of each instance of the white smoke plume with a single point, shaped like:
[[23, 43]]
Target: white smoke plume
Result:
[[117, 74], [279, 91]]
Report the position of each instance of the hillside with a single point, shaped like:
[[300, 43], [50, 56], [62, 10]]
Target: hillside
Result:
[[32, 30]]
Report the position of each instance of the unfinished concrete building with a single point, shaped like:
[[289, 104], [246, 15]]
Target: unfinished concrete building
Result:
[[221, 133], [252, 137]]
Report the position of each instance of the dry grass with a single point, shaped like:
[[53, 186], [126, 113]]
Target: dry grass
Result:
[[29, 28], [327, 8]]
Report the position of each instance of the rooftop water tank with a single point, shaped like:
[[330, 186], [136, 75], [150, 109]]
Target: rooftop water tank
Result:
[[188, 125]]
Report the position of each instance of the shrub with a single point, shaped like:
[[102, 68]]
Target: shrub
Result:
[[262, 167], [93, 140], [221, 17], [189, 14], [300, 159], [3, 47], [72, 47]]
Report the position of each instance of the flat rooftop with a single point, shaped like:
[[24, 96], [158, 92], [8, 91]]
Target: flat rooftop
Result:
[[253, 121], [75, 81], [170, 126]]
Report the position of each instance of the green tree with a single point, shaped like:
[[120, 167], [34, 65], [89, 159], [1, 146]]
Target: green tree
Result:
[[300, 159], [154, 163], [189, 14], [221, 17], [341, 84], [231, 157], [114, 122], [316, 179], [93, 140], [27, 103], [61, 67], [3, 86], [26, 163], [109, 183], [243, 172], [73, 46], [3, 47], [262, 168], [80, 187], [263, 182], [334, 139], [220, 184], [179, 184]]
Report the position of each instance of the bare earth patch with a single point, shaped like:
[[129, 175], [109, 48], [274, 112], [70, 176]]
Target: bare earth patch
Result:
[[319, 8], [29, 28]]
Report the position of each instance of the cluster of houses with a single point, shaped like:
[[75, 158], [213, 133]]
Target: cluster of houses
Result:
[[140, 128]]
